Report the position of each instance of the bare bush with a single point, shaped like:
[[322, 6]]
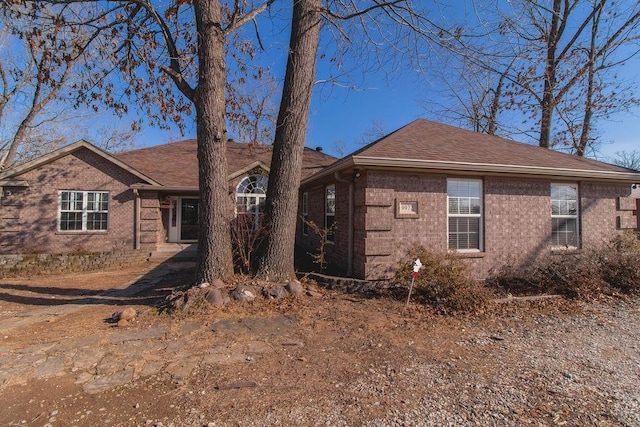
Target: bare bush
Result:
[[620, 264], [248, 232], [443, 282], [583, 274]]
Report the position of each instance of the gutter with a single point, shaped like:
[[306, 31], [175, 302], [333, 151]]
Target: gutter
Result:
[[479, 168]]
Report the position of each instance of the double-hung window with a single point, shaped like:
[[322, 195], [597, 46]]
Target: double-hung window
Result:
[[83, 210], [330, 211], [464, 198], [564, 215]]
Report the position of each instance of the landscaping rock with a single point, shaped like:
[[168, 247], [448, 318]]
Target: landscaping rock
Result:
[[126, 314], [243, 293], [295, 288], [122, 323], [275, 292], [219, 284], [214, 297]]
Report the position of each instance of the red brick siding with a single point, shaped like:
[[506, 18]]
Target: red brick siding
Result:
[[516, 219], [386, 237], [29, 222], [599, 205], [151, 229]]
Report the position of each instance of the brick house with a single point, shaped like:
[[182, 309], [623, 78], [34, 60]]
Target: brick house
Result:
[[81, 199], [488, 199]]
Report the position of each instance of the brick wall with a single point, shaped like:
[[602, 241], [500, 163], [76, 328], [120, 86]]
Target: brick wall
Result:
[[21, 265], [602, 215], [151, 229], [516, 219], [29, 216]]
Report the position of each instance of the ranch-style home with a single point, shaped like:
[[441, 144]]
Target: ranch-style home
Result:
[[488, 199], [81, 199]]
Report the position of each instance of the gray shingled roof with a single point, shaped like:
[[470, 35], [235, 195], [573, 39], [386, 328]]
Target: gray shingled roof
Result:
[[175, 164], [432, 146], [427, 140]]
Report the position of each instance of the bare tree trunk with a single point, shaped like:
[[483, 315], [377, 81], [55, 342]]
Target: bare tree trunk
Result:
[[214, 234], [284, 179], [495, 108], [588, 103], [548, 102]]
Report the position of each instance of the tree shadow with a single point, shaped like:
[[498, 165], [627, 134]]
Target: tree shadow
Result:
[[148, 289]]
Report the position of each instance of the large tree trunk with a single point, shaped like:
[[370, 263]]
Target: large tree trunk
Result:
[[214, 234], [284, 179]]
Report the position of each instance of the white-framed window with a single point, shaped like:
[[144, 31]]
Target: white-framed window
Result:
[[330, 211], [464, 214], [305, 213], [83, 210], [564, 215], [251, 195]]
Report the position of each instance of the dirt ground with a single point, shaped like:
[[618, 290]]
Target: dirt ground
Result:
[[335, 359]]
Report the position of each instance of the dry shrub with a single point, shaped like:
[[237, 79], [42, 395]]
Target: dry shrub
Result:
[[585, 274], [443, 282], [568, 274], [620, 264]]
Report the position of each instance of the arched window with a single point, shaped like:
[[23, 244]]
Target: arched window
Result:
[[251, 195]]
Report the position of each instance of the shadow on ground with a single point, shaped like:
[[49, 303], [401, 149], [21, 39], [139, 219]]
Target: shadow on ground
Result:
[[147, 289]]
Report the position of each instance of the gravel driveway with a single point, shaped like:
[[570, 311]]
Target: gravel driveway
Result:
[[336, 359]]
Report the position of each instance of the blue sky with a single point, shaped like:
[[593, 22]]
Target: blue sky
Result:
[[340, 116], [338, 122]]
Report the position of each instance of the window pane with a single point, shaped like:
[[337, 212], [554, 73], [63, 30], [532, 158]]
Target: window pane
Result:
[[475, 205], [465, 206], [97, 201], [254, 184], [564, 232], [330, 200], [71, 221], [96, 221], [464, 233]]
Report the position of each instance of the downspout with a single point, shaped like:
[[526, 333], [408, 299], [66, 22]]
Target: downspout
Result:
[[349, 223], [136, 220]]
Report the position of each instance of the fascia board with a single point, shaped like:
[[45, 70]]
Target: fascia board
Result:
[[48, 158], [164, 188]]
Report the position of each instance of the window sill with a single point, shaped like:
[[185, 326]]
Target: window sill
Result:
[[468, 254], [564, 249], [79, 232]]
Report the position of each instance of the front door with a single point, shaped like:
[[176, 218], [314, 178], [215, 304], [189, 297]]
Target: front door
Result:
[[183, 222], [188, 220]]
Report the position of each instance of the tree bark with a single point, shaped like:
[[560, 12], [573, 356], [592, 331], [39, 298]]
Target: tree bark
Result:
[[214, 234], [284, 179], [548, 102], [585, 132]]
